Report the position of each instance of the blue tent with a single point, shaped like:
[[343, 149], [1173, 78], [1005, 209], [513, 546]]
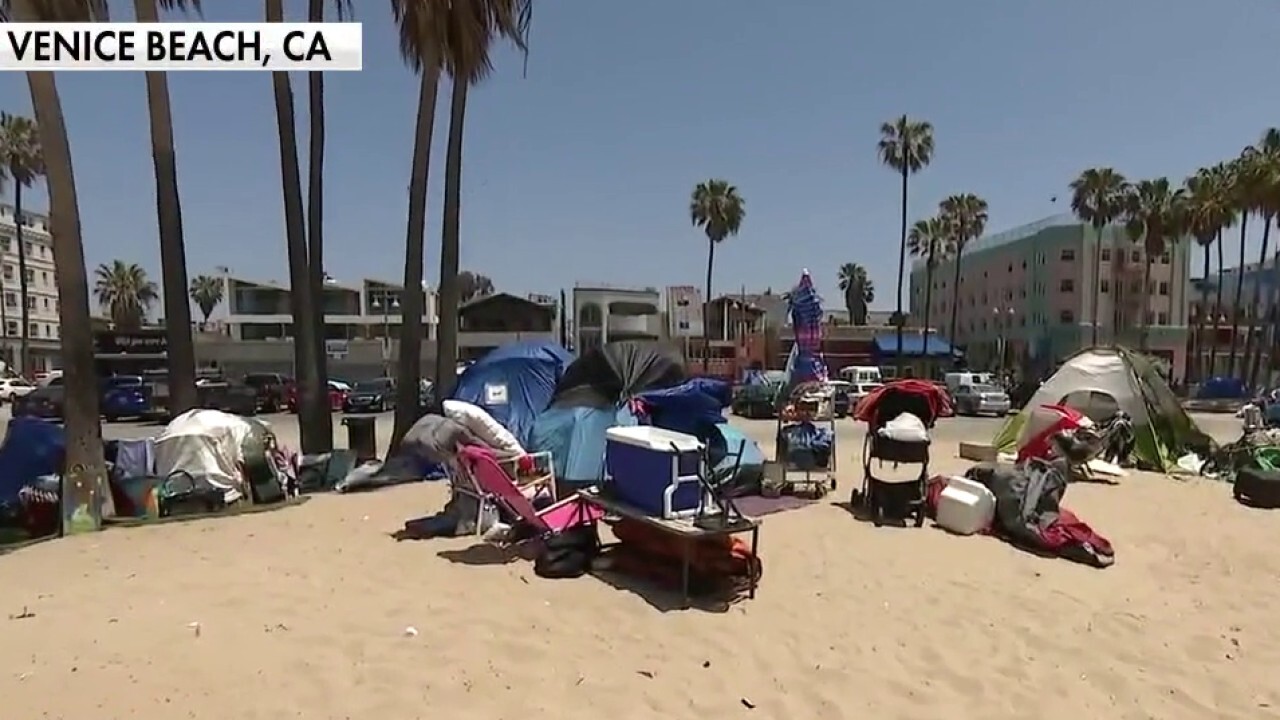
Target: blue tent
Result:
[[32, 447], [514, 383], [692, 407], [575, 437]]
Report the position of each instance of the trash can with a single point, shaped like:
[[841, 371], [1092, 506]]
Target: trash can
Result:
[[362, 437]]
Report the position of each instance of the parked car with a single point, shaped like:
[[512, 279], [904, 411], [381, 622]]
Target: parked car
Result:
[[228, 396], [337, 396], [378, 395], [43, 402], [842, 400], [125, 396], [859, 391], [980, 400], [272, 390], [13, 388]]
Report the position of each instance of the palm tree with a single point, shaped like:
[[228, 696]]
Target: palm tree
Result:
[[964, 218], [207, 293], [1248, 185], [125, 292], [313, 416], [472, 285], [717, 207], [1096, 198], [1209, 212], [859, 292], [21, 159], [85, 479], [1154, 216], [905, 145], [473, 28], [927, 239], [1266, 157]]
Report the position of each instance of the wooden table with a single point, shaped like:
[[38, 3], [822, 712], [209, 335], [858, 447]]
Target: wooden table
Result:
[[686, 530]]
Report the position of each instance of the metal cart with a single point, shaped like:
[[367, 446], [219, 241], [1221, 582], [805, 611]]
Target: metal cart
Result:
[[802, 472]]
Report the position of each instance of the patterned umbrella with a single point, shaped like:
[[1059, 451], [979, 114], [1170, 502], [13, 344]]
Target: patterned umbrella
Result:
[[806, 363]]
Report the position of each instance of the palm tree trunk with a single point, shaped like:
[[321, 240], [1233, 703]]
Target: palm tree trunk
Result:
[[1097, 278], [1252, 361], [1144, 333], [315, 231], [928, 305], [84, 483], [447, 354], [1235, 306], [311, 400], [1217, 310], [24, 351], [955, 293], [706, 308], [1200, 371], [409, 372], [6, 354], [180, 343], [902, 270]]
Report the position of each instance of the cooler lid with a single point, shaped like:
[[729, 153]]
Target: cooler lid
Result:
[[652, 438]]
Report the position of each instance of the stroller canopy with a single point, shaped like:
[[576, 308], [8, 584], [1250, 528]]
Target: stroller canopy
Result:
[[609, 375], [514, 383]]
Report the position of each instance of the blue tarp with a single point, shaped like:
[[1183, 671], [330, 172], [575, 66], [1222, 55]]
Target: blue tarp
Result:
[[692, 407], [514, 383], [912, 345], [31, 448], [575, 437], [1222, 388]]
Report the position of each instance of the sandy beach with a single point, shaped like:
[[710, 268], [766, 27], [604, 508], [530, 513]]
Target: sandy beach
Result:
[[304, 612]]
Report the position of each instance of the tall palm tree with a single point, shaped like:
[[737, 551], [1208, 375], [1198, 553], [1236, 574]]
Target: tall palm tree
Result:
[[315, 216], [964, 218], [125, 293], [1209, 212], [22, 160], [1097, 199], [859, 292], [927, 239], [84, 483], [313, 416], [905, 145], [1266, 158], [718, 208], [207, 293], [1154, 216], [467, 60], [1248, 185]]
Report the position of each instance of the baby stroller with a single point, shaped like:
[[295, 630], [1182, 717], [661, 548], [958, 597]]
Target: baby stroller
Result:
[[883, 499]]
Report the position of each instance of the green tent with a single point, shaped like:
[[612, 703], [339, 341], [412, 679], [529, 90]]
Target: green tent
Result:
[[1100, 381]]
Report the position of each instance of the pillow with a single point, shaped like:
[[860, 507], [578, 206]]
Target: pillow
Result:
[[484, 426]]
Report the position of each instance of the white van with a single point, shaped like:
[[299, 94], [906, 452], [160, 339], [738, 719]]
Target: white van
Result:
[[955, 381], [860, 374]]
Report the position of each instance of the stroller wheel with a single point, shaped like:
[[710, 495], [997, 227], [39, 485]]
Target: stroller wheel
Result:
[[920, 517]]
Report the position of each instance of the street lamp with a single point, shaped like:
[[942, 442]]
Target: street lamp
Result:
[[386, 304]]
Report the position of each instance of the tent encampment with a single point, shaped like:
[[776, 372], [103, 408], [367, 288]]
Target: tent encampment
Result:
[[592, 397], [1100, 381], [514, 383]]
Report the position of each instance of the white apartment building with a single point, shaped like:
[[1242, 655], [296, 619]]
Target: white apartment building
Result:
[[604, 313], [42, 292]]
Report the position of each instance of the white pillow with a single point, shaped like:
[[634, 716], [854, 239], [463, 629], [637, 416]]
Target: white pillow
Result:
[[483, 425], [905, 428]]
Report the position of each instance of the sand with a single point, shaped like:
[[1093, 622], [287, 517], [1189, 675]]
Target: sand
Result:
[[303, 613]]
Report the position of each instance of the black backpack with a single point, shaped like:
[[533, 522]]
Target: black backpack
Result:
[[569, 554]]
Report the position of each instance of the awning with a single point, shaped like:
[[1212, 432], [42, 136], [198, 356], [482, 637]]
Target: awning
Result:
[[913, 345]]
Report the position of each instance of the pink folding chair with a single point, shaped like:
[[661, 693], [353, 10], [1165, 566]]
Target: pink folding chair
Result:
[[482, 465]]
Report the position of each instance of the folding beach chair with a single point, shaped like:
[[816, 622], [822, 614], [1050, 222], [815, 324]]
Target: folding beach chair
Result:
[[481, 465]]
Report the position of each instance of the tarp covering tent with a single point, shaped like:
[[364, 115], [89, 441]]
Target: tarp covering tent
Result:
[[1100, 381], [592, 397], [514, 383], [693, 407], [32, 447], [207, 444]]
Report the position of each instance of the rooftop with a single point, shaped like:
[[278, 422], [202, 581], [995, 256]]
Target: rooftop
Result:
[[1012, 235]]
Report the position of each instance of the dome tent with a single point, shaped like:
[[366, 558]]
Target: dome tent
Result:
[[592, 397], [514, 383], [1102, 380]]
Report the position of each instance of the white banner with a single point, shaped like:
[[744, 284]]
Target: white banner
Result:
[[176, 47]]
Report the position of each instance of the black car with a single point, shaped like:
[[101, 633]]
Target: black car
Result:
[[43, 402], [371, 396]]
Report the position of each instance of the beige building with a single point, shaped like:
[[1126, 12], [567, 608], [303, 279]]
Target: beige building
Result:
[[1028, 295], [42, 292]]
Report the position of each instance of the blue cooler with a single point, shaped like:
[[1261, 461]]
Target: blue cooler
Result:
[[645, 470]]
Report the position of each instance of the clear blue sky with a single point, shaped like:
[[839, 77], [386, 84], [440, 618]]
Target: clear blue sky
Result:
[[581, 171]]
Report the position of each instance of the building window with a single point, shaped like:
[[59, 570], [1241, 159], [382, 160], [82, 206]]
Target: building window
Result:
[[31, 303], [34, 330], [1067, 285], [30, 250], [1162, 319], [1010, 268], [1164, 289], [8, 272], [1068, 254], [1106, 254], [31, 275], [1135, 256], [44, 277], [1164, 259], [1104, 286], [1066, 317], [10, 300], [5, 245], [11, 327], [46, 303]]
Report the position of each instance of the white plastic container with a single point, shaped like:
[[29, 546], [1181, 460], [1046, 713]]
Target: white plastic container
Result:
[[965, 507]]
